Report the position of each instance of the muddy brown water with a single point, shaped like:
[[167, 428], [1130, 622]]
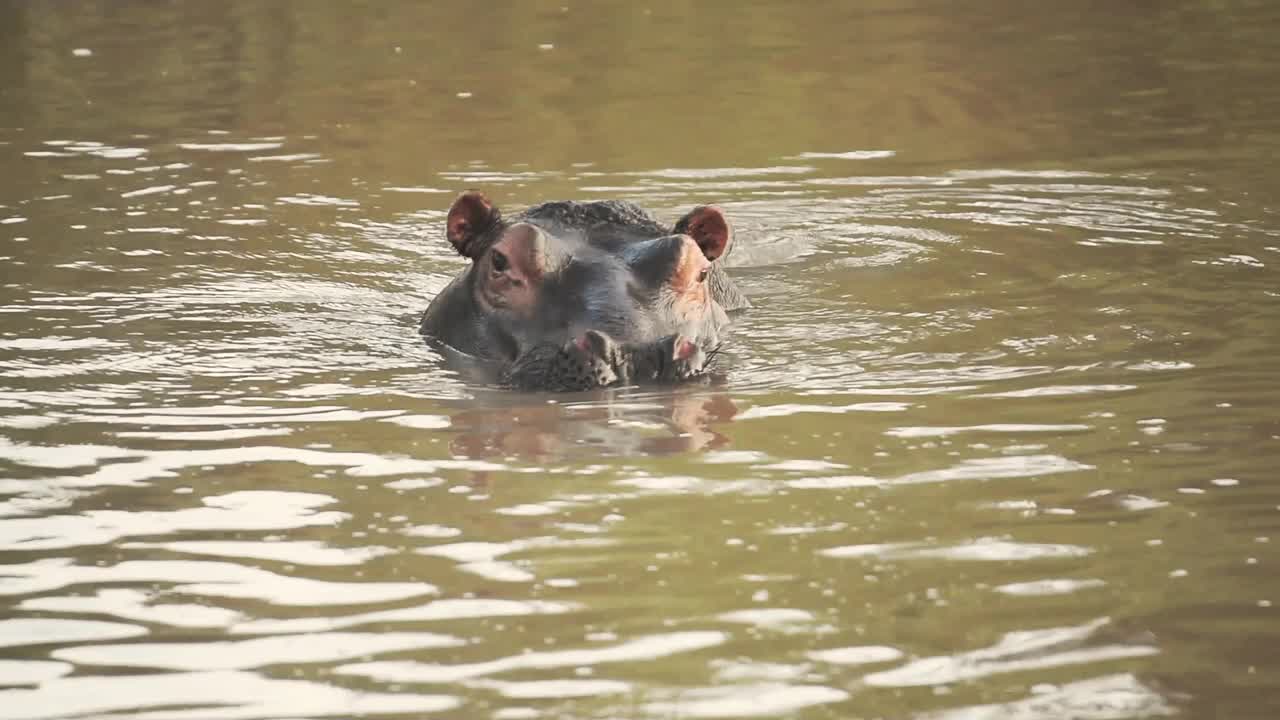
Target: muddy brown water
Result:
[[999, 439]]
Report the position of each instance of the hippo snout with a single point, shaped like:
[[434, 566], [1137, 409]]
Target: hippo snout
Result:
[[595, 360]]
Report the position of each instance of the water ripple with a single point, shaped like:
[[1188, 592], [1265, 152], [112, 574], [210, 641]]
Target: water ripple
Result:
[[1101, 698], [227, 695], [735, 701], [437, 610], [16, 632], [254, 653], [1016, 651], [245, 510], [649, 647], [214, 579]]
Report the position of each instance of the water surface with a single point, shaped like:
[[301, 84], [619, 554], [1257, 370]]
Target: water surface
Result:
[[997, 441]]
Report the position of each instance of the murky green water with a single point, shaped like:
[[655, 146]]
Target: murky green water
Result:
[[999, 439]]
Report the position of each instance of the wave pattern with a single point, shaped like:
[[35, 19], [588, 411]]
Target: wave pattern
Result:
[[939, 471]]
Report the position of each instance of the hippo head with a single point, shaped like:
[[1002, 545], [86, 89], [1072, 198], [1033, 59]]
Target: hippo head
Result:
[[570, 295]]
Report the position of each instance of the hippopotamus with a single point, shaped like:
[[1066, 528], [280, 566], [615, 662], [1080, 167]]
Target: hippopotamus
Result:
[[580, 295]]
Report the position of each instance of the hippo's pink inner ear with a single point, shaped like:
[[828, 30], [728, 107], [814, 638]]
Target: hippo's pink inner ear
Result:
[[709, 228], [471, 215]]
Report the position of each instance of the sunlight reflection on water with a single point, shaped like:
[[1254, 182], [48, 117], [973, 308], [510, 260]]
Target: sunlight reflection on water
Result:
[[994, 441]]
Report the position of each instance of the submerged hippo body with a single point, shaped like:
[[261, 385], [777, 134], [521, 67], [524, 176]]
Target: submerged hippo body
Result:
[[574, 296]]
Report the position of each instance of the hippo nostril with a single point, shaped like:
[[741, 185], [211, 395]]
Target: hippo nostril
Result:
[[682, 348], [594, 343]]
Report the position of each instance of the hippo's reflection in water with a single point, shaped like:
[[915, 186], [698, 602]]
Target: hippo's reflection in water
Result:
[[640, 424]]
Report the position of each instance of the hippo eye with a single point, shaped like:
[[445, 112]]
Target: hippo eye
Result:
[[702, 276], [500, 262]]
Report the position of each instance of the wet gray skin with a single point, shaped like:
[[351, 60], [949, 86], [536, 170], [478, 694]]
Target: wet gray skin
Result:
[[573, 296]]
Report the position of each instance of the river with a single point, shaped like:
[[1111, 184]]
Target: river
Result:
[[998, 439]]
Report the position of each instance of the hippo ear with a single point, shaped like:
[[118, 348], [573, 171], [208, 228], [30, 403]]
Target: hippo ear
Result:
[[707, 225], [471, 216]]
